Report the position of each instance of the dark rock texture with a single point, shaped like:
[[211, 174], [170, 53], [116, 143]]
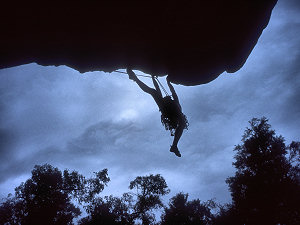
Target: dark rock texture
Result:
[[193, 41]]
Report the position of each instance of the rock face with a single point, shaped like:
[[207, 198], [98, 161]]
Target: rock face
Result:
[[191, 41]]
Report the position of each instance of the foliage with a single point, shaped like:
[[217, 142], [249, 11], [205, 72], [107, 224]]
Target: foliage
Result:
[[85, 189], [131, 207], [266, 187], [109, 210], [181, 211], [11, 211], [46, 198], [265, 190], [149, 190]]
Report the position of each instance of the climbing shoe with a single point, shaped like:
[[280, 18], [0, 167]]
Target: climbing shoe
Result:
[[175, 150]]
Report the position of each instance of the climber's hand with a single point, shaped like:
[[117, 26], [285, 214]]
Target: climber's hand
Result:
[[131, 74]]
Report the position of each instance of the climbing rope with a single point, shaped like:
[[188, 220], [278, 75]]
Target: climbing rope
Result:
[[162, 87], [139, 75]]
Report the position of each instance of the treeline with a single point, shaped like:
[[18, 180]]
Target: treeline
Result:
[[265, 190]]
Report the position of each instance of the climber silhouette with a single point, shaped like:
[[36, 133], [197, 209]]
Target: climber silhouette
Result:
[[171, 114]]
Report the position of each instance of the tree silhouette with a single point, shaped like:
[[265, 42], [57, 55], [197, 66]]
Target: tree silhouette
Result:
[[46, 197], [226, 215], [11, 211], [265, 190], [109, 210], [184, 212], [149, 190], [131, 207], [266, 185]]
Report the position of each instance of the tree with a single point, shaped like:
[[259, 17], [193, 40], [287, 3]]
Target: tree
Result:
[[131, 207], [184, 212], [46, 197], [266, 185], [109, 210], [149, 190], [226, 215], [10, 211]]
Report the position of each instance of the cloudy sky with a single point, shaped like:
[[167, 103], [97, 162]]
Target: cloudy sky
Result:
[[98, 120]]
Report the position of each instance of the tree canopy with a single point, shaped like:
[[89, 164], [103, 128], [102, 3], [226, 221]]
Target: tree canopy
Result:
[[46, 198], [266, 185], [109, 210], [149, 190], [181, 211], [265, 190]]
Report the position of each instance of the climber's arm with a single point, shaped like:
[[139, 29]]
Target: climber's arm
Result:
[[143, 86]]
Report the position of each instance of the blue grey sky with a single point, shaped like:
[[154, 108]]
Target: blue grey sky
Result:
[[98, 120]]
